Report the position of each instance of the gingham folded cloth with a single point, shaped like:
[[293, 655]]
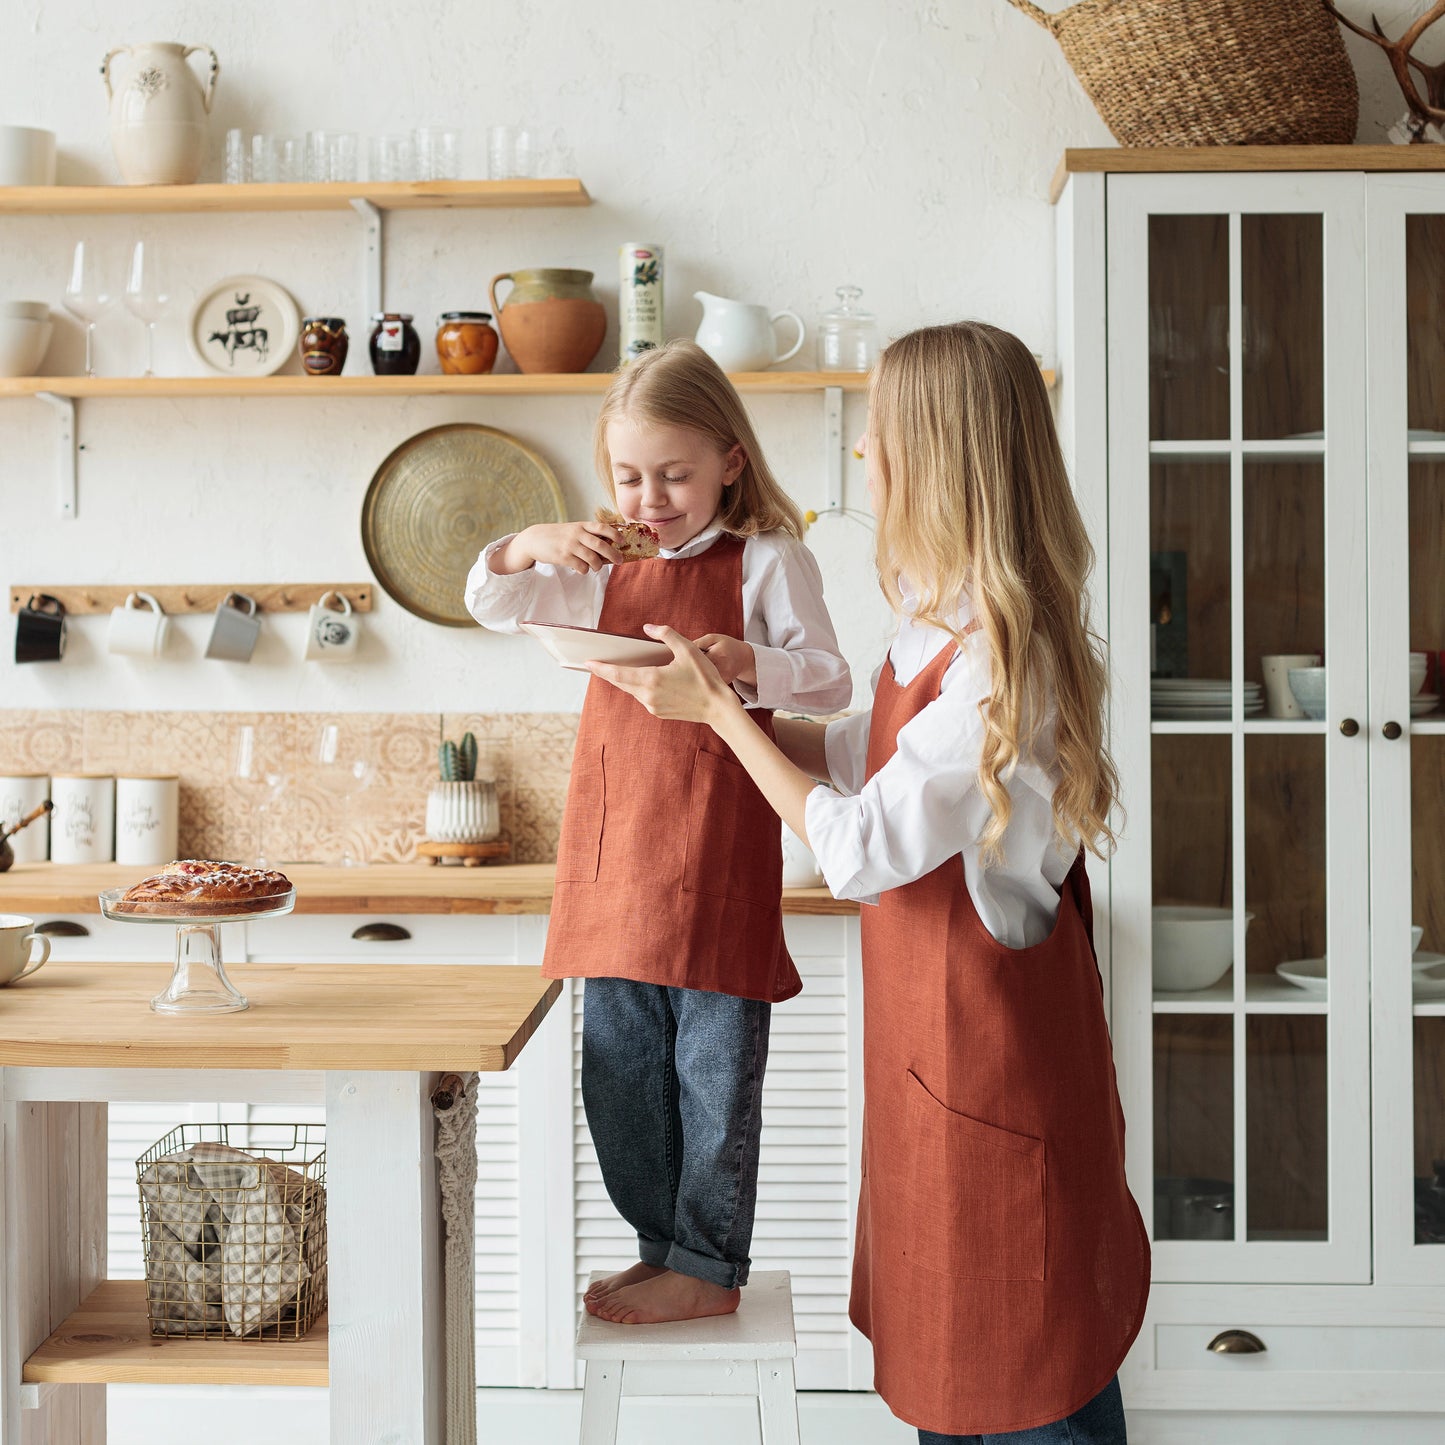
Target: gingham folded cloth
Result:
[[226, 1241]]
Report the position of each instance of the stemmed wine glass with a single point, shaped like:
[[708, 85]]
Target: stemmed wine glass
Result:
[[344, 770], [86, 297], [257, 774], [146, 296]]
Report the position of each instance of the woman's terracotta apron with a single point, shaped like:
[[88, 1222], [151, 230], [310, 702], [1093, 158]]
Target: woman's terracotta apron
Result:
[[670, 864], [1001, 1267]]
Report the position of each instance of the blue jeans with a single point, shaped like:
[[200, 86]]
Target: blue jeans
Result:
[[672, 1082], [1100, 1422]]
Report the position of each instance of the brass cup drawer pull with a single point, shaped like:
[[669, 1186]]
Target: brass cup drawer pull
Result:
[[381, 933], [63, 928], [1392, 731], [1237, 1342]]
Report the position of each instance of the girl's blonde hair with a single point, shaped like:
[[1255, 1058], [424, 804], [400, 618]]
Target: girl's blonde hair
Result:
[[679, 384], [973, 498]]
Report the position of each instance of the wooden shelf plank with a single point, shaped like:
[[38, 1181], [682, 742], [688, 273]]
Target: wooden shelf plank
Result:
[[178, 600], [321, 196], [107, 1341]]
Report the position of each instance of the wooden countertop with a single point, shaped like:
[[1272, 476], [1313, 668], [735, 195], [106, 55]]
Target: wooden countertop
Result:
[[41, 888], [321, 1016]]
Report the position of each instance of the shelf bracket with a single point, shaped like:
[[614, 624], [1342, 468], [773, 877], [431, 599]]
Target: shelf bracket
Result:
[[67, 447], [371, 254], [833, 445]]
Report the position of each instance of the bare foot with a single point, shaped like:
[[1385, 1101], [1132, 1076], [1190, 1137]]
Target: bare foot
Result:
[[635, 1274], [670, 1296]]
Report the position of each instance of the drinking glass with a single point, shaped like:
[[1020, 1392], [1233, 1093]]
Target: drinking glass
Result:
[[341, 155], [393, 158], [511, 152], [234, 172], [436, 153], [289, 158], [86, 296], [257, 774], [146, 296], [344, 770], [318, 163], [263, 165]]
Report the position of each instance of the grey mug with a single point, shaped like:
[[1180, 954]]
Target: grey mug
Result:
[[235, 630]]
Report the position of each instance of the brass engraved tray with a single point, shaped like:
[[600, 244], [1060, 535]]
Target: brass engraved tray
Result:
[[437, 500]]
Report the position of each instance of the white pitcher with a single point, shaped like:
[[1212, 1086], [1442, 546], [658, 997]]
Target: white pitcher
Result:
[[158, 113], [740, 337]]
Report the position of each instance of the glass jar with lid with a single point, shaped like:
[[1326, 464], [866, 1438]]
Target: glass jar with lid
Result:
[[847, 335]]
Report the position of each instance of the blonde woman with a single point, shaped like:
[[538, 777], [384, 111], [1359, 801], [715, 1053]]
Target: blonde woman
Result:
[[669, 871], [1001, 1267]]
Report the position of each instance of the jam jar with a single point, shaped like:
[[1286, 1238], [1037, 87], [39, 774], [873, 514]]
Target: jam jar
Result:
[[324, 344], [395, 345], [466, 343]]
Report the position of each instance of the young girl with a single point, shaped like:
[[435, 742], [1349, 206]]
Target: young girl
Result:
[[1001, 1267], [669, 869]]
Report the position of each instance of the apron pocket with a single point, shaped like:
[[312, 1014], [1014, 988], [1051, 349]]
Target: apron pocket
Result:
[[973, 1194], [580, 845], [734, 839]]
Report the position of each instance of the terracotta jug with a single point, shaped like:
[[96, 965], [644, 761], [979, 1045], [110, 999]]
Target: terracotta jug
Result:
[[552, 322], [159, 113]]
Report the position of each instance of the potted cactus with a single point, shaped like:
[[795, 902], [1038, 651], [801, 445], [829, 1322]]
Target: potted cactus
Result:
[[461, 808]]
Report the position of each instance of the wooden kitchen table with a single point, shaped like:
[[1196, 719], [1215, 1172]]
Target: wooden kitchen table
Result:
[[367, 1040]]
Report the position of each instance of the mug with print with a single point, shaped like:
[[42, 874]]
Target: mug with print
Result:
[[17, 947], [40, 630], [235, 630], [138, 629], [332, 634]]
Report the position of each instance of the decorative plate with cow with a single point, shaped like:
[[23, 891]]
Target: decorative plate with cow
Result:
[[244, 326]]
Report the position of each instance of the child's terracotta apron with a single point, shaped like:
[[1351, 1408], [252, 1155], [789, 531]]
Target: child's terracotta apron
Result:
[[670, 864], [1002, 1266]]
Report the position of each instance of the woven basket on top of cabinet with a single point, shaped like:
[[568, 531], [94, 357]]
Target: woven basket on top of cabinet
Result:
[[1210, 72]]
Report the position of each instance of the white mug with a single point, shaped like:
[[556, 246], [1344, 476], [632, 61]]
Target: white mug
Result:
[[82, 825], [22, 793], [331, 634], [147, 816], [17, 947], [1279, 700], [138, 630]]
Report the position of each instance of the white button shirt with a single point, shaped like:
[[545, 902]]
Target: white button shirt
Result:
[[784, 616], [924, 806]]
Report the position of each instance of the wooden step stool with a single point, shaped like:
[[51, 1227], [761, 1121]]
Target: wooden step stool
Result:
[[750, 1352]]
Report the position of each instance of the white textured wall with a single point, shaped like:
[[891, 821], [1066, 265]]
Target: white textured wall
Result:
[[775, 150]]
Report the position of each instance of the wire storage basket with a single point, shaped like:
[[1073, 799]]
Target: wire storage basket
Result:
[[235, 1238], [1210, 72]]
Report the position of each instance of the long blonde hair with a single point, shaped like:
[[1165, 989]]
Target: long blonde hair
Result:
[[974, 499], [679, 384]]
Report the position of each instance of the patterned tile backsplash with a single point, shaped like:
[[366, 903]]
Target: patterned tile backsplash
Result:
[[528, 754]]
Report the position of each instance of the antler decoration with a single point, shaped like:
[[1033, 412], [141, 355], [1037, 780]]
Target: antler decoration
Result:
[[1398, 53]]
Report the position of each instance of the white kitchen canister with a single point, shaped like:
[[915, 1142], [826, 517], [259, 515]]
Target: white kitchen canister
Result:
[[147, 817], [82, 825], [22, 793]]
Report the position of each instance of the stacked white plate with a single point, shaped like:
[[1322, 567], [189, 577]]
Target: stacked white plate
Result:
[[1424, 702], [1201, 698], [1311, 974]]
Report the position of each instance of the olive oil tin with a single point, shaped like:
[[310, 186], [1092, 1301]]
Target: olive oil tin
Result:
[[639, 292]]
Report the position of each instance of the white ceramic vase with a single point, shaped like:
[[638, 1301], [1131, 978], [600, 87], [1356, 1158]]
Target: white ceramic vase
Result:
[[463, 813], [159, 112]]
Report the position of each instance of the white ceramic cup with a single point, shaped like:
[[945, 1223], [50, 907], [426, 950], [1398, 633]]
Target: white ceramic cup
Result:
[[332, 633], [22, 793], [147, 819], [27, 156], [17, 947], [1279, 700], [82, 825], [138, 629]]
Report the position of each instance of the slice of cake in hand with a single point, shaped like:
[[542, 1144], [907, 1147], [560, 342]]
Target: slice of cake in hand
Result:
[[636, 540]]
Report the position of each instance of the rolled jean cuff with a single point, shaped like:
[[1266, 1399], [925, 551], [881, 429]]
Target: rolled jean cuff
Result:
[[654, 1251], [703, 1266]]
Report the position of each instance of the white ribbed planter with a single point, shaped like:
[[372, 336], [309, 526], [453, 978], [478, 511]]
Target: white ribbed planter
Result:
[[463, 813]]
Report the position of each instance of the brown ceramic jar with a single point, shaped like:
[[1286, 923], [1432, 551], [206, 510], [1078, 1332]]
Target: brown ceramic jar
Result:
[[552, 322], [466, 343], [324, 344]]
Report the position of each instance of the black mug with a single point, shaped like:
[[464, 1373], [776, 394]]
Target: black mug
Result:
[[40, 630]]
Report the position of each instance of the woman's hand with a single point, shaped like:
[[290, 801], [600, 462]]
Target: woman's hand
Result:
[[733, 658], [582, 546], [687, 689]]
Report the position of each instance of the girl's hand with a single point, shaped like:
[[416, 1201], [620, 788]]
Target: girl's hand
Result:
[[687, 689], [732, 657], [581, 546]]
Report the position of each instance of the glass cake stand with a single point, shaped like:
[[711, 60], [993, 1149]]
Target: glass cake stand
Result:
[[198, 982]]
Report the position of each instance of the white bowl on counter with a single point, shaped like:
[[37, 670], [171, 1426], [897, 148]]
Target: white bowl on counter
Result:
[[1193, 946], [25, 332]]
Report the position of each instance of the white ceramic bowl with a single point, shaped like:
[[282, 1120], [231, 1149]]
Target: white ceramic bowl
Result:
[[1193, 946], [1419, 666], [23, 343], [1308, 686], [27, 156], [1417, 932], [575, 647]]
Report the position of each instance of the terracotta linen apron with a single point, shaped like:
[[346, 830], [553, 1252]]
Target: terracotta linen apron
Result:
[[670, 864], [1002, 1266]]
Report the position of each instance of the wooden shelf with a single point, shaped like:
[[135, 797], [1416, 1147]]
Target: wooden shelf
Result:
[[325, 196], [107, 1341], [587, 383]]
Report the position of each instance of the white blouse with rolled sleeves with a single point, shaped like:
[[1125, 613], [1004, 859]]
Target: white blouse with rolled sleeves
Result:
[[784, 617], [924, 806]]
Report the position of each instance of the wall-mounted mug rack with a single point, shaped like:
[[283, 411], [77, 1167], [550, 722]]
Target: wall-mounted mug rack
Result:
[[177, 601]]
